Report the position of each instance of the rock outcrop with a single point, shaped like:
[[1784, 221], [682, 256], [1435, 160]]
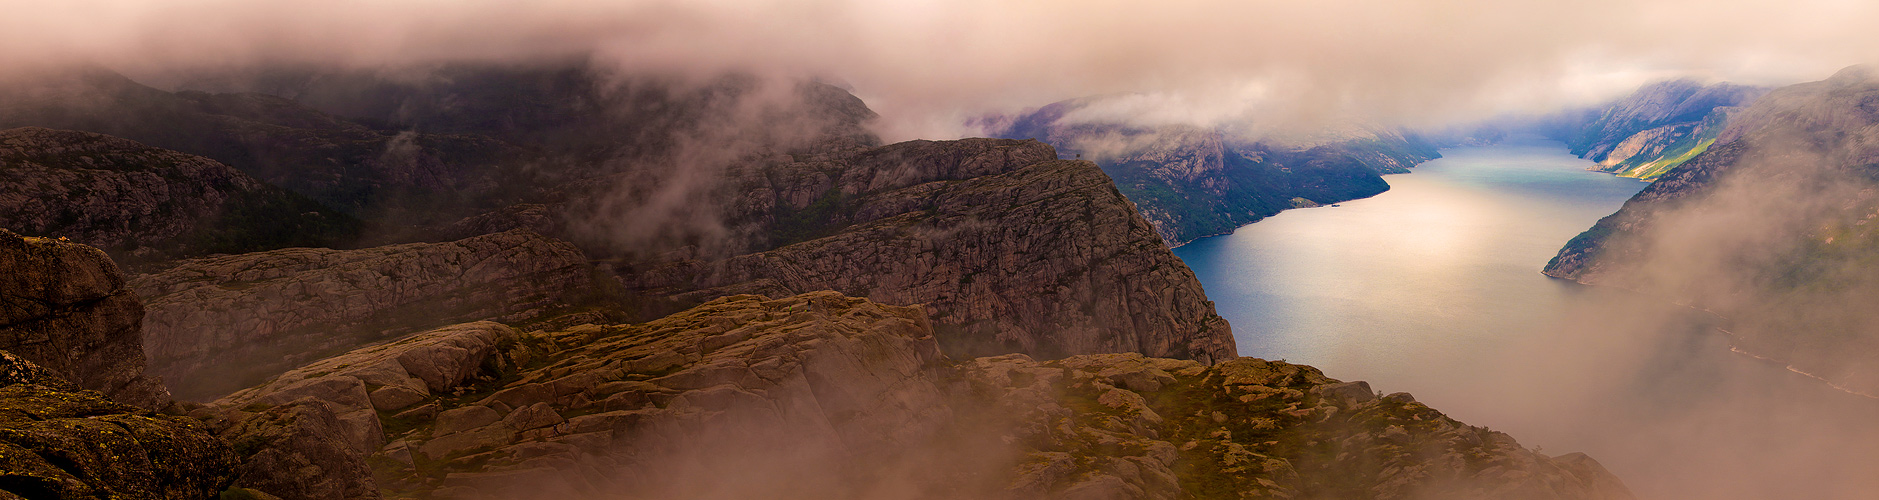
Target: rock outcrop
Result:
[[308, 432], [142, 203], [1192, 182], [1125, 426], [1009, 250], [822, 395], [279, 309], [58, 441], [818, 382], [1770, 228], [66, 307]]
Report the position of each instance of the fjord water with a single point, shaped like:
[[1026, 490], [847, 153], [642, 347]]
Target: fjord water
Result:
[[1433, 288]]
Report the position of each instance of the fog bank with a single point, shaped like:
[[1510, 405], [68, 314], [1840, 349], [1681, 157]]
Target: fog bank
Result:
[[927, 65]]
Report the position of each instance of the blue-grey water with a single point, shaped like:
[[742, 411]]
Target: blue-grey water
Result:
[[1433, 288]]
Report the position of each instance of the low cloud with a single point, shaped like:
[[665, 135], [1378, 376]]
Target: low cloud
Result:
[[927, 65]]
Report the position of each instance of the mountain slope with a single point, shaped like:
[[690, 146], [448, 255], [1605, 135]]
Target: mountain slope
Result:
[[1658, 127], [1768, 227]]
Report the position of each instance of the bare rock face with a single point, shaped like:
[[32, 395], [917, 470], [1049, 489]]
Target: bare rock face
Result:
[[1125, 426], [1008, 249], [811, 384], [825, 396], [278, 309], [57, 441], [147, 203], [65, 306]]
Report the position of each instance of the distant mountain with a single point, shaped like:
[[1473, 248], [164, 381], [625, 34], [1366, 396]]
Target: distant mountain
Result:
[[1192, 182], [1656, 128], [146, 204], [456, 142], [1771, 227]]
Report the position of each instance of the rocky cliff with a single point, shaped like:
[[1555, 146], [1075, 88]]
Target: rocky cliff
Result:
[[279, 309], [1192, 182], [66, 307], [1768, 227], [821, 395], [1658, 127], [59, 441], [142, 203], [1009, 249]]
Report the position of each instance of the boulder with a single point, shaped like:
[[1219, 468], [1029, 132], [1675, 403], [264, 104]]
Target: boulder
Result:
[[65, 307]]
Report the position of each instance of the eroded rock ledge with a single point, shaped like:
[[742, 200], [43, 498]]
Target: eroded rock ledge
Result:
[[824, 395]]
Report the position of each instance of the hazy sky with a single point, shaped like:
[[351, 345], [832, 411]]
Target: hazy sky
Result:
[[926, 64]]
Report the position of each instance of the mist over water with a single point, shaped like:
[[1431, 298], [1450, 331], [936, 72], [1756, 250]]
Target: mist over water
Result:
[[1433, 288]]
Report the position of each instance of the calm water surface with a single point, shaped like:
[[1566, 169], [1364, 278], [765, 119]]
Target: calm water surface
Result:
[[1433, 288]]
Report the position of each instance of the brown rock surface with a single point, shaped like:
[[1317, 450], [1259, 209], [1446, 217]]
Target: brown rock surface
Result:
[[57, 441], [1125, 426], [307, 433], [65, 306], [275, 310], [819, 380], [821, 395]]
